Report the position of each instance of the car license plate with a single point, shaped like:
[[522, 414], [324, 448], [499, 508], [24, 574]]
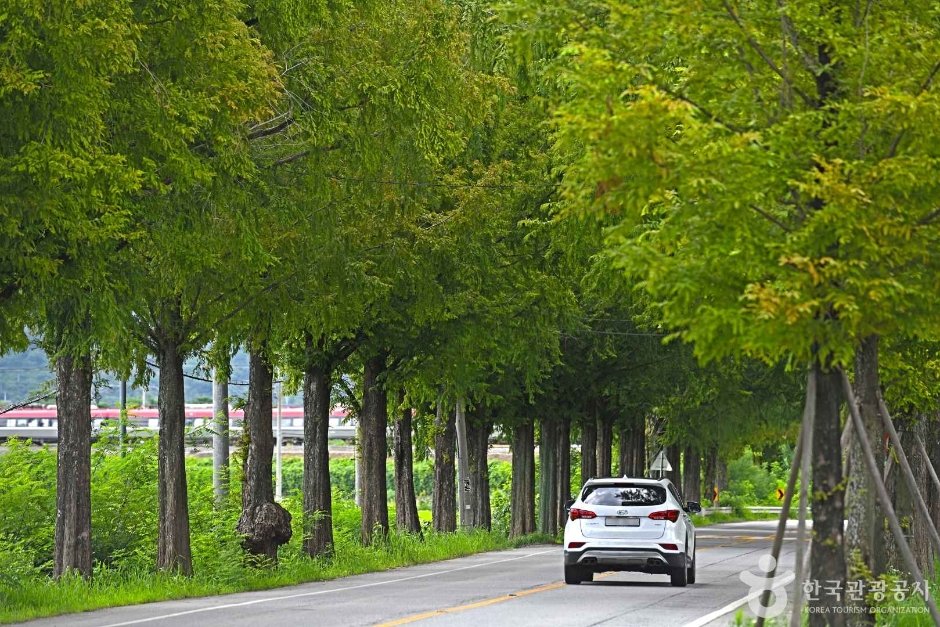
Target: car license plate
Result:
[[622, 521]]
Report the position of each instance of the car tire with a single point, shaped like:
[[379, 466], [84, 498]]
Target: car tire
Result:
[[575, 575], [690, 575], [679, 576]]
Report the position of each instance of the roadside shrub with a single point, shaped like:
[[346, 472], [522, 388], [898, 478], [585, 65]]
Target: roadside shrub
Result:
[[751, 483]]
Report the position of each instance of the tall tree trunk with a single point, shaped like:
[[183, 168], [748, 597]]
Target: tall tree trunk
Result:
[[563, 471], [523, 480], [318, 498], [374, 449], [633, 447], [73, 473], [905, 505], [828, 494], [406, 508], [716, 475], [674, 456], [639, 446], [444, 497], [548, 484], [478, 440], [173, 549], [625, 458], [711, 474], [264, 524], [921, 541], [692, 484], [588, 445], [865, 531], [605, 443], [932, 445]]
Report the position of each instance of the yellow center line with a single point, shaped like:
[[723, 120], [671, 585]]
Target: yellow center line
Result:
[[506, 597], [470, 606]]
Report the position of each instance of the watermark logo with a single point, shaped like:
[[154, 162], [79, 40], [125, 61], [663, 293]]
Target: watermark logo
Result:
[[776, 584]]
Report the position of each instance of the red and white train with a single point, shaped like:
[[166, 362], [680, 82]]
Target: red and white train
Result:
[[40, 424]]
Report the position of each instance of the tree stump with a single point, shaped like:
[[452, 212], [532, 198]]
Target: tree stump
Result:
[[265, 527]]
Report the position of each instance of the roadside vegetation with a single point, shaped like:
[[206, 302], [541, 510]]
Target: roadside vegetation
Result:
[[124, 500], [622, 229]]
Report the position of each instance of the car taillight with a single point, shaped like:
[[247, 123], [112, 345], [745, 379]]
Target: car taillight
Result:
[[669, 547], [582, 513], [672, 515], [576, 545]]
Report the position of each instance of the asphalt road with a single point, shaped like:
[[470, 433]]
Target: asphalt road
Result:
[[511, 588]]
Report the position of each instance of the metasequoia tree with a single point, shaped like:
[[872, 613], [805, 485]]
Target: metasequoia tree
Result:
[[264, 524], [126, 137], [362, 121], [186, 270], [774, 197]]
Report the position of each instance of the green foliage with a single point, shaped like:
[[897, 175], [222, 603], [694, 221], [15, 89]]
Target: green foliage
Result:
[[910, 611], [751, 483], [27, 491], [124, 533], [773, 200]]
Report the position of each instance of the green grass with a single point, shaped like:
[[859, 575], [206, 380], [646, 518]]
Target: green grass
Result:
[[113, 587]]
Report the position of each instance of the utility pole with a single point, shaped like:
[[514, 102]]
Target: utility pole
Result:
[[464, 496], [123, 432], [277, 471], [357, 464], [220, 435]]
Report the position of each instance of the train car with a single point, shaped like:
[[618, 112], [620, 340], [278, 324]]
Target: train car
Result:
[[41, 424]]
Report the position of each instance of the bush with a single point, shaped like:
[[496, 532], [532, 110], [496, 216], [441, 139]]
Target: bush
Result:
[[750, 483]]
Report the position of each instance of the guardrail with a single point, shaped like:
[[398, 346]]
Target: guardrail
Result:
[[754, 509]]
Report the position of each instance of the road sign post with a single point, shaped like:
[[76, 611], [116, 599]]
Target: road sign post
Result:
[[660, 464]]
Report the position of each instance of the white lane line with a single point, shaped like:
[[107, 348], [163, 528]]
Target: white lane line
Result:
[[284, 597], [704, 620]]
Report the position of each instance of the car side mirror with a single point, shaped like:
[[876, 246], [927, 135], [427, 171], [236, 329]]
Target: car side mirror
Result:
[[693, 507], [568, 504]]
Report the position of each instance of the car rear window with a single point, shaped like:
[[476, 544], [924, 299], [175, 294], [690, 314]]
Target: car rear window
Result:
[[624, 494]]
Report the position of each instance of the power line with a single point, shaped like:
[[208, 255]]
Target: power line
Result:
[[198, 378], [28, 402]]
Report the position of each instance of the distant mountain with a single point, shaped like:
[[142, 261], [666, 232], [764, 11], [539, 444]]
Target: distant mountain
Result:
[[23, 375]]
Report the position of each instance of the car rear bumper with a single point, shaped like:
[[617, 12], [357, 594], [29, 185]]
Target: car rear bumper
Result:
[[625, 558]]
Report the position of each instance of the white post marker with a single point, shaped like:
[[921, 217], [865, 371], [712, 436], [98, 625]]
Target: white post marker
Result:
[[277, 482]]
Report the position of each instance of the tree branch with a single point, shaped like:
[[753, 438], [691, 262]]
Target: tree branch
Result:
[[271, 131], [714, 117], [350, 396], [771, 218], [923, 87], [294, 157], [9, 290], [930, 217], [763, 55], [790, 33]]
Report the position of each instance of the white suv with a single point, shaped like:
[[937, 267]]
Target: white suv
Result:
[[639, 525]]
